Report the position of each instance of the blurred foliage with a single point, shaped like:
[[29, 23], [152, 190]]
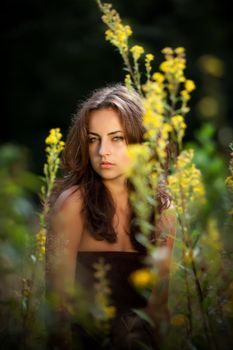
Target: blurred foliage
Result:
[[18, 220]]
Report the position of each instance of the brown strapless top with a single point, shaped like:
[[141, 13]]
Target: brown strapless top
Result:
[[123, 295]]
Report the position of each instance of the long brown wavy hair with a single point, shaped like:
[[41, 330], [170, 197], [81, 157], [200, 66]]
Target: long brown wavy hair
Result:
[[98, 207]]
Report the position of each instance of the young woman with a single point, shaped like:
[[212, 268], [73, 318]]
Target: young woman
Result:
[[91, 216]]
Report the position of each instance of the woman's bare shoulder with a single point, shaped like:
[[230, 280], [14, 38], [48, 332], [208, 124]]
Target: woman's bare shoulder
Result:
[[67, 220], [69, 199]]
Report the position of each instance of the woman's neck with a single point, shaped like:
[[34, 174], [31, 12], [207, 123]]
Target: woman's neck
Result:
[[119, 192]]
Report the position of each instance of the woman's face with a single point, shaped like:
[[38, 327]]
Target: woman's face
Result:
[[107, 144]]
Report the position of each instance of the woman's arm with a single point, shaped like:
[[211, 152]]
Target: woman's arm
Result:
[[63, 239], [62, 242]]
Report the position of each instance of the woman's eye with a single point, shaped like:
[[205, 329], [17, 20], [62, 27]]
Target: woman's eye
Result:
[[118, 138], [92, 139]]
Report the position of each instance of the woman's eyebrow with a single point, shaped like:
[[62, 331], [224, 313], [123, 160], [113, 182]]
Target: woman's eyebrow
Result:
[[110, 133]]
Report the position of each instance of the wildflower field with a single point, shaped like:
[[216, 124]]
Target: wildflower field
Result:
[[199, 179]]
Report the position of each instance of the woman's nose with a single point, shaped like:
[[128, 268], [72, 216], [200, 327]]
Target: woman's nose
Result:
[[104, 148]]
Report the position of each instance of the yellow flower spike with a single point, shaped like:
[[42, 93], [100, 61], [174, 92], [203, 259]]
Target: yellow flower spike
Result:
[[53, 150], [149, 57], [137, 51], [189, 85], [117, 34]]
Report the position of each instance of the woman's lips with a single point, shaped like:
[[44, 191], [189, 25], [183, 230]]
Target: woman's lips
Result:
[[106, 165]]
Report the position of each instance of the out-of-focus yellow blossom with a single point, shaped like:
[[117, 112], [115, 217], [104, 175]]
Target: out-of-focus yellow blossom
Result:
[[168, 52], [179, 320], [186, 183], [152, 120], [54, 142], [137, 51], [149, 57], [103, 292], [212, 237], [189, 85], [158, 77], [173, 67], [26, 288], [188, 256], [138, 153], [40, 243], [185, 95], [155, 97], [229, 181], [143, 278], [177, 121], [179, 50], [208, 106], [110, 311], [128, 82], [212, 65], [162, 142]]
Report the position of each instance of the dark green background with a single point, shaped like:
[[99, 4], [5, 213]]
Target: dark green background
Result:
[[54, 53]]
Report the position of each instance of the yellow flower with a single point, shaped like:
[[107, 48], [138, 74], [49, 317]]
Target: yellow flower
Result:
[[167, 51], [128, 81], [54, 137], [137, 51], [149, 57], [40, 243], [185, 95], [165, 66], [110, 311], [152, 120], [179, 50], [229, 181], [189, 85], [158, 77], [143, 278], [178, 121], [138, 152]]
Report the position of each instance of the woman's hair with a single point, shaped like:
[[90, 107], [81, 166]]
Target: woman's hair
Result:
[[98, 207]]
